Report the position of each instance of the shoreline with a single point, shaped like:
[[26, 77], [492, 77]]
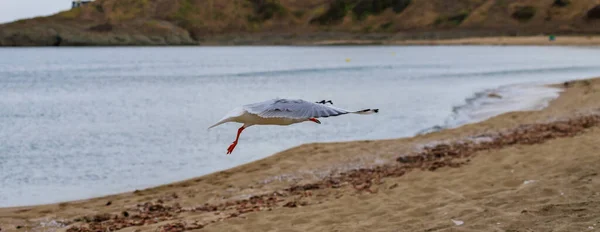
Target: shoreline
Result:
[[291, 174], [538, 40], [497, 94], [483, 41]]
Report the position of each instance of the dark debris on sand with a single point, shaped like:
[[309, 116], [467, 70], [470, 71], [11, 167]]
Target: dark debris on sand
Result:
[[454, 154], [180, 226], [148, 213]]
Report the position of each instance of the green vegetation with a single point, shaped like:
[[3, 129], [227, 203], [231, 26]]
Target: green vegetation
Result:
[[361, 9], [458, 18], [594, 13], [154, 25], [128, 9], [453, 20], [184, 13], [299, 13], [524, 13], [70, 14], [400, 5], [561, 3], [105, 27], [265, 10], [242, 21], [99, 8], [386, 26], [365, 8], [336, 12]]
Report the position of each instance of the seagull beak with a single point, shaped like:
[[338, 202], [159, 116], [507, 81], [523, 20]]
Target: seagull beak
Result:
[[315, 120]]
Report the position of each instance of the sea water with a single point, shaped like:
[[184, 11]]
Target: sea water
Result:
[[85, 122]]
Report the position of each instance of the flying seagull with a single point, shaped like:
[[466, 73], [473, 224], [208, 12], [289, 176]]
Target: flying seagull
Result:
[[282, 112]]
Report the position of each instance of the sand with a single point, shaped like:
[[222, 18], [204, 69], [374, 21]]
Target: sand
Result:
[[516, 40], [505, 40], [520, 171]]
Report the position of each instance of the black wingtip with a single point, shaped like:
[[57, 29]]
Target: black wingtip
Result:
[[367, 111], [325, 102]]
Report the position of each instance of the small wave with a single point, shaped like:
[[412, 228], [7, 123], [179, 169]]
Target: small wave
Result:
[[301, 71], [520, 71], [310, 70], [430, 130], [492, 102], [327, 69]]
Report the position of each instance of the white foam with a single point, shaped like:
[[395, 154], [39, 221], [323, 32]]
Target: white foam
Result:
[[524, 97]]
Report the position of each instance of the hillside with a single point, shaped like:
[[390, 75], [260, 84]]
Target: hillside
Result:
[[188, 22]]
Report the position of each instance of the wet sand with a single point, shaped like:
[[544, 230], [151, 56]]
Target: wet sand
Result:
[[520, 171]]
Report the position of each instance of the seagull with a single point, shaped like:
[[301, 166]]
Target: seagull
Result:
[[282, 112]]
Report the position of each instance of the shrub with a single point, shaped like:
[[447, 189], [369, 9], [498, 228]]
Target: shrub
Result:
[[458, 18], [361, 9], [336, 12], [453, 20], [265, 10], [524, 13], [99, 8], [299, 13], [386, 26], [364, 8], [184, 13], [105, 27], [561, 3], [400, 5], [594, 13]]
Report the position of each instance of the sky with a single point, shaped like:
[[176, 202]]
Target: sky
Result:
[[11, 10]]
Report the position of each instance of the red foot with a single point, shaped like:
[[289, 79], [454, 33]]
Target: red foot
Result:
[[231, 147]]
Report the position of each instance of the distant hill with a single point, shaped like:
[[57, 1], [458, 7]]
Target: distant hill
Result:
[[188, 22]]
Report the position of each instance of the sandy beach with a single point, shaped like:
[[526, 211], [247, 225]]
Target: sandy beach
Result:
[[520, 171], [517, 40], [495, 40]]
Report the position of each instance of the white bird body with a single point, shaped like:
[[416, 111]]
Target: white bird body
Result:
[[240, 115], [282, 112]]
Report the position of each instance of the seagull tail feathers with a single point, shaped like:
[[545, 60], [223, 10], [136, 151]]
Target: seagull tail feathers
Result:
[[219, 123], [237, 112], [367, 111]]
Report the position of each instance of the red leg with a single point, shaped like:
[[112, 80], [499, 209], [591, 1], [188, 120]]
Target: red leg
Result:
[[232, 146]]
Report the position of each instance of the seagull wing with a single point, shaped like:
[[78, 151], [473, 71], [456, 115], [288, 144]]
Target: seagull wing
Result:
[[294, 108]]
